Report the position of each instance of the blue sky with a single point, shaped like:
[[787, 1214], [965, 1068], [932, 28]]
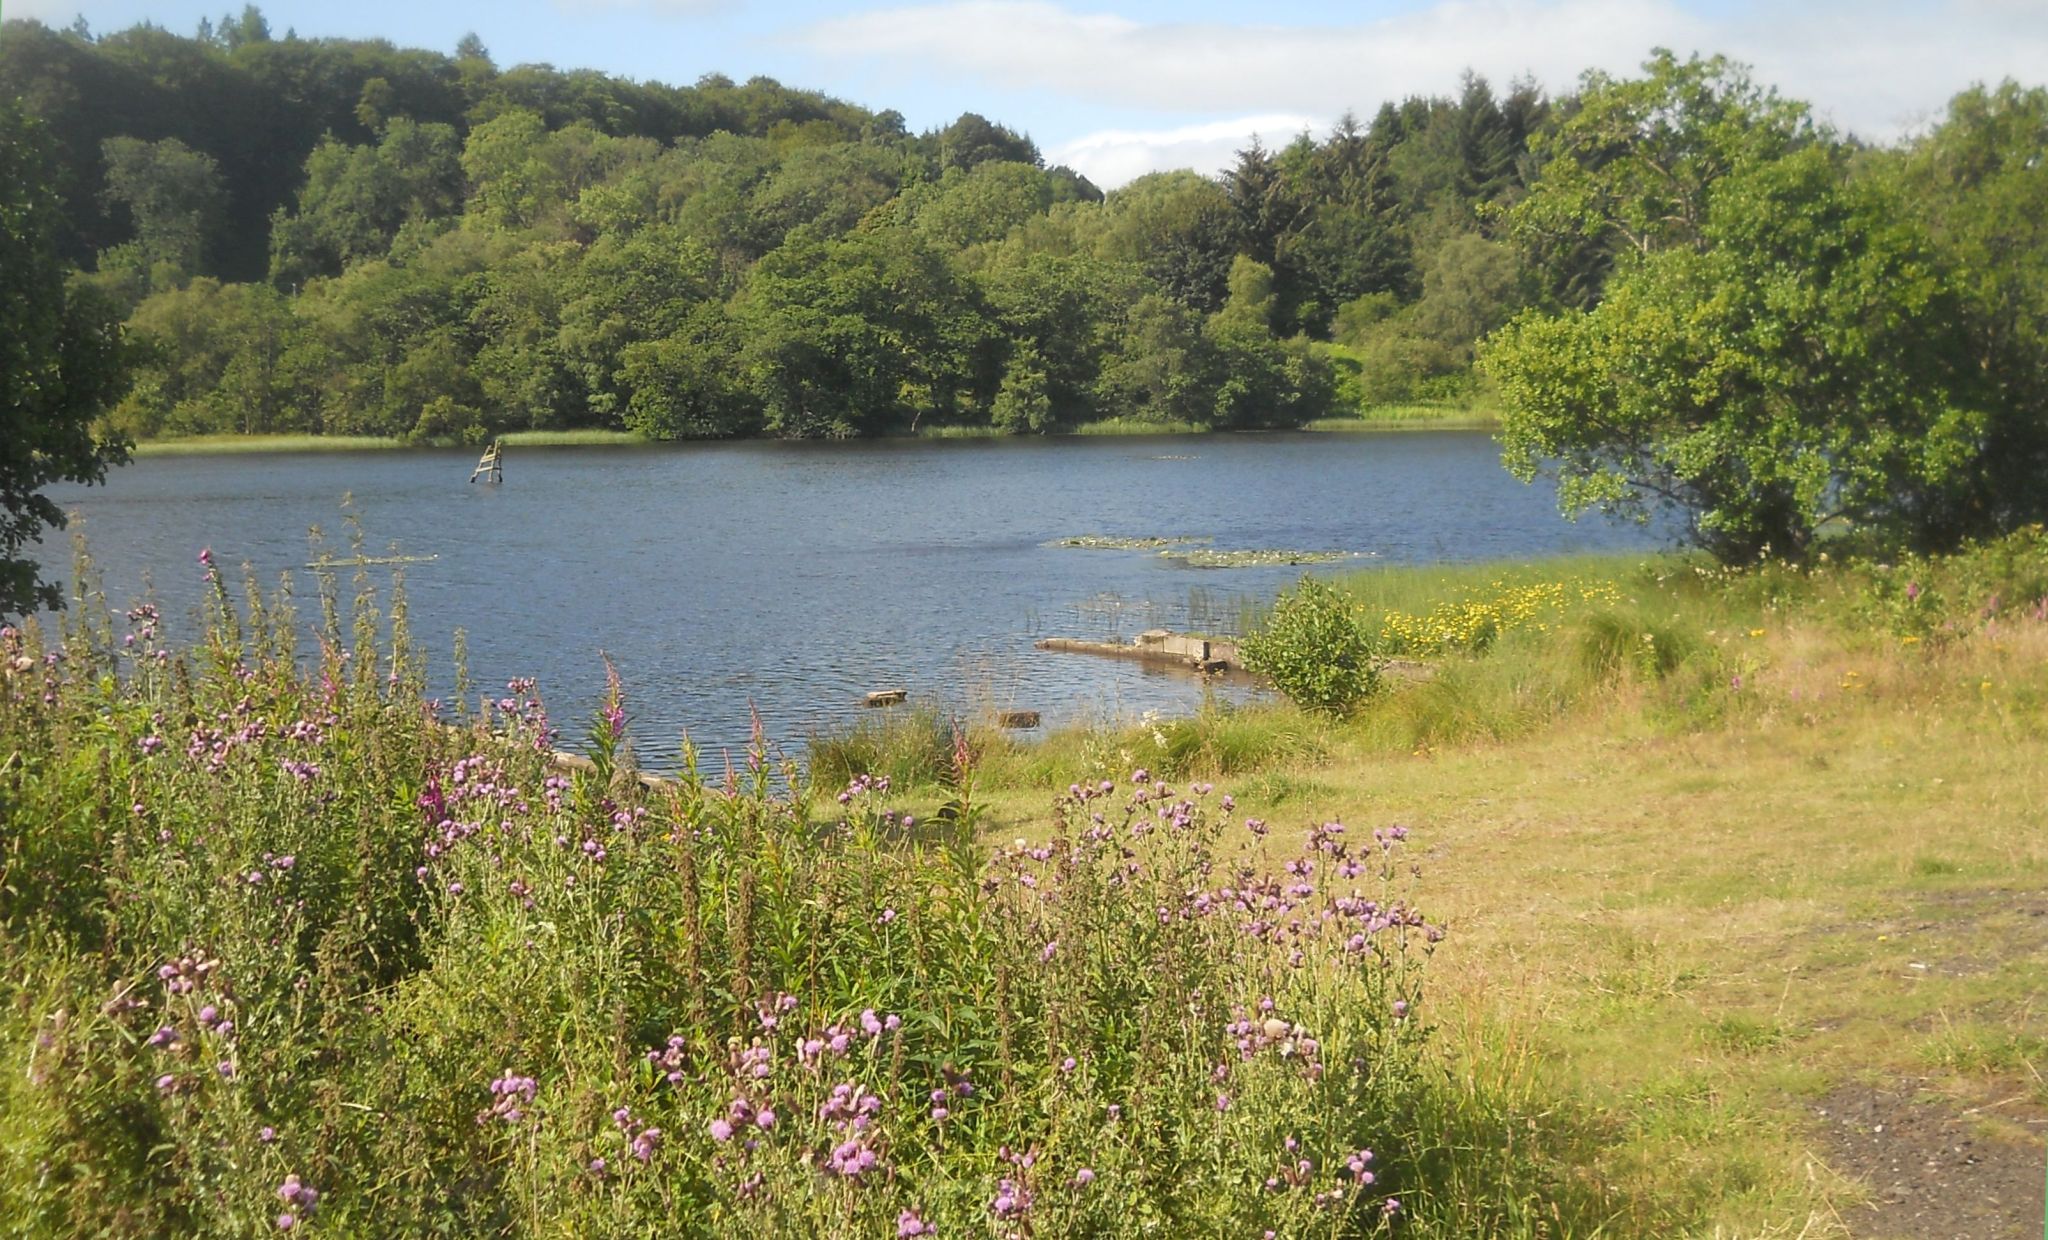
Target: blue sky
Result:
[[1119, 87]]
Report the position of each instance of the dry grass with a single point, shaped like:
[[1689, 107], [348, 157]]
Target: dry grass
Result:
[[1675, 928]]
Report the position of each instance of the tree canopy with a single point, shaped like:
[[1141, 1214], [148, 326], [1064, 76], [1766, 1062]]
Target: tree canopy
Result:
[[1753, 328], [1682, 290], [61, 365], [340, 235]]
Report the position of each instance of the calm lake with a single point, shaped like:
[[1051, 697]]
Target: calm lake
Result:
[[792, 578]]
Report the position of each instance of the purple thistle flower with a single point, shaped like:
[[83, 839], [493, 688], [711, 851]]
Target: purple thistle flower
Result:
[[1012, 1200], [647, 1144]]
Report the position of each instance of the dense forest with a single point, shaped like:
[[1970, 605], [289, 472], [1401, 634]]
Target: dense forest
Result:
[[338, 236], [345, 237]]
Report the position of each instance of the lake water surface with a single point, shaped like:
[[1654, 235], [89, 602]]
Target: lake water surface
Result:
[[793, 578]]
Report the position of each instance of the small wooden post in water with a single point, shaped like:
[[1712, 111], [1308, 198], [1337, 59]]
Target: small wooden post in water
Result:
[[492, 467]]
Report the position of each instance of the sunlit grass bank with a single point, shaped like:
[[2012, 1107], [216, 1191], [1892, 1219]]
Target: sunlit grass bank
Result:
[[197, 445], [572, 439], [1456, 416], [1137, 426]]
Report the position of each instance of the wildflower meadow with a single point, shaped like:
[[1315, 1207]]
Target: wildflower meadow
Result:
[[287, 947]]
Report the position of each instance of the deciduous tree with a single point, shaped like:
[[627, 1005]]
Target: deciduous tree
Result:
[[62, 363]]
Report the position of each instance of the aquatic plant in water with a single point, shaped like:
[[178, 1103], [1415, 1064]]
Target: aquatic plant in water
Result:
[[1258, 558], [1105, 542]]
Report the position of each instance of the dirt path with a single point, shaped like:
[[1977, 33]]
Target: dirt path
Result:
[[1936, 1169]]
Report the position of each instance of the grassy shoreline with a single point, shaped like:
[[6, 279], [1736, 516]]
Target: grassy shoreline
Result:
[[1391, 418], [208, 445]]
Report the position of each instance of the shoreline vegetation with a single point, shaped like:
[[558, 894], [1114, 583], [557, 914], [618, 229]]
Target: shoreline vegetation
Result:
[[1720, 878], [1388, 418]]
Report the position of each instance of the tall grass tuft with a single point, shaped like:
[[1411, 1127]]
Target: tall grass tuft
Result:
[[911, 744]]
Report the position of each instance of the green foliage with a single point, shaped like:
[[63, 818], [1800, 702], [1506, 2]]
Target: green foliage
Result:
[[1790, 356], [983, 205], [62, 363], [857, 335], [685, 385], [1024, 402], [1630, 171], [1313, 651], [580, 251], [1977, 184], [356, 199], [175, 198], [1942, 597]]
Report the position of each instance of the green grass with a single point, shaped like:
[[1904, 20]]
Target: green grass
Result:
[[911, 744], [1418, 587], [208, 444], [1137, 426], [1416, 417], [572, 439], [961, 432]]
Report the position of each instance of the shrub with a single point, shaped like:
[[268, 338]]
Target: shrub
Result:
[[1312, 650]]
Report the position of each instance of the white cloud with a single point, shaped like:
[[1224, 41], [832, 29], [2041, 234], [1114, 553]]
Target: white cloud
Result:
[[1211, 67], [1111, 157], [1879, 67]]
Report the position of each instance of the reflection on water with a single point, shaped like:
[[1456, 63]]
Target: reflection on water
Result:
[[793, 578]]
